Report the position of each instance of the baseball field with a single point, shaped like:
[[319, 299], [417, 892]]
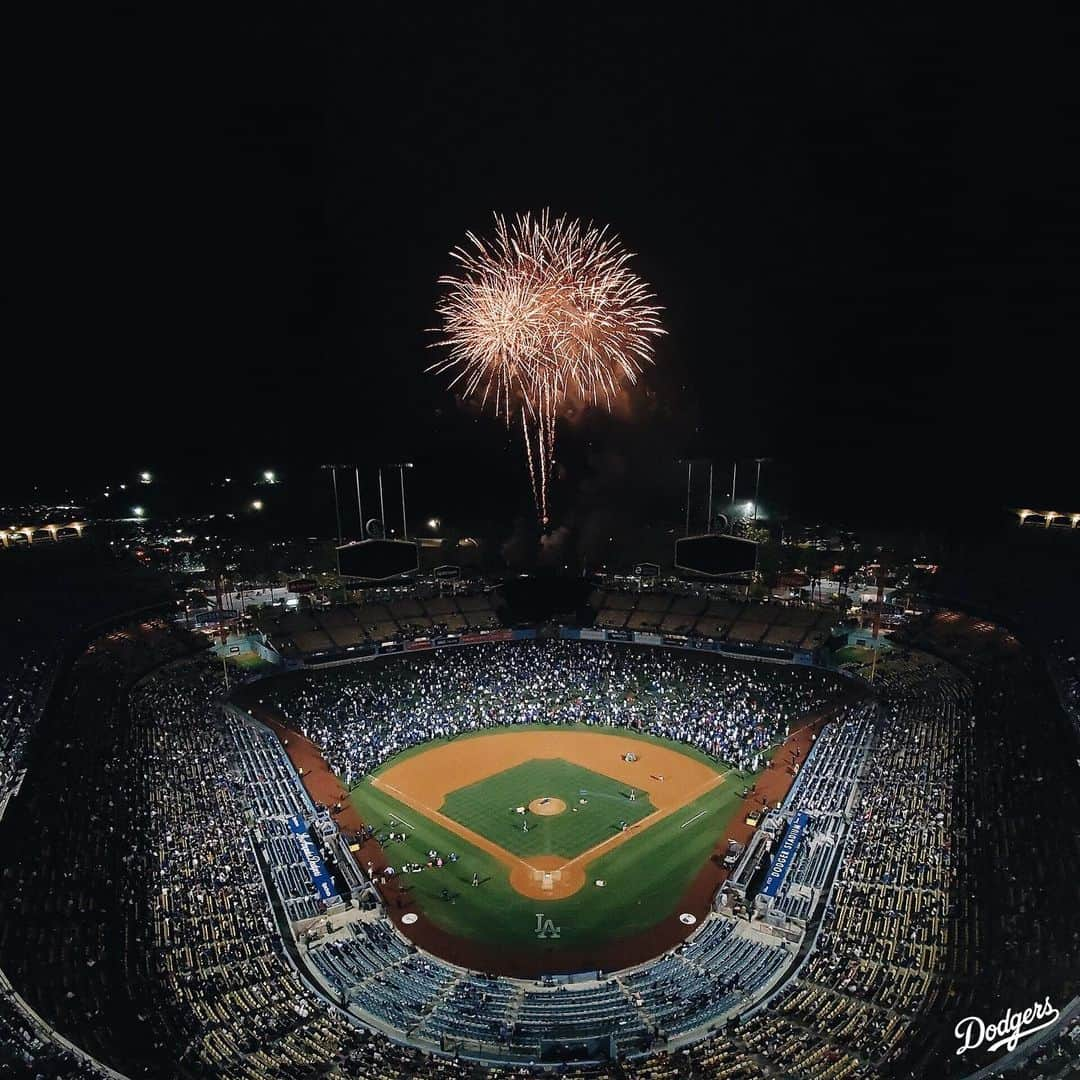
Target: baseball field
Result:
[[568, 836]]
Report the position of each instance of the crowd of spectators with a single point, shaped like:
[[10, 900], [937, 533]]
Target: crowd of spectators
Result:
[[1064, 664], [362, 715], [51, 594], [887, 949], [26, 674], [1023, 791], [68, 918], [223, 994], [30, 1047], [134, 918]]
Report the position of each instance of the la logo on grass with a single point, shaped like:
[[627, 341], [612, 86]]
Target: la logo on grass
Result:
[[545, 928]]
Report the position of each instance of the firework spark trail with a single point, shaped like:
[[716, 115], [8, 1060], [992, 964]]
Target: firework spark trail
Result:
[[544, 315]]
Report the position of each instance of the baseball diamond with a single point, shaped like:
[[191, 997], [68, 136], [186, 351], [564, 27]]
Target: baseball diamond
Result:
[[467, 796], [600, 789]]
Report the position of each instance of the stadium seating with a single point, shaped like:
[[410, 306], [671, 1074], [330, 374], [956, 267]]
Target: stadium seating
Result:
[[704, 614], [361, 716], [319, 636], [931, 832]]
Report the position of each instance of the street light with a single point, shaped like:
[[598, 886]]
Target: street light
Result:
[[145, 477], [257, 504], [270, 477], [138, 511], [433, 524]]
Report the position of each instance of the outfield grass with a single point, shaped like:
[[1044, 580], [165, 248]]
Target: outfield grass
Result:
[[645, 876], [595, 806]]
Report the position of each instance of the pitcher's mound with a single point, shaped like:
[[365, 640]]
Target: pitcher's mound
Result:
[[546, 806]]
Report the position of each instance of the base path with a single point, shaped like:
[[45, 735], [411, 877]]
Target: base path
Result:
[[325, 788], [671, 779]]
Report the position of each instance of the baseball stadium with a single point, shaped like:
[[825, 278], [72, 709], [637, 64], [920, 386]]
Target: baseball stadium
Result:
[[481, 849], [608, 826], [541, 543]]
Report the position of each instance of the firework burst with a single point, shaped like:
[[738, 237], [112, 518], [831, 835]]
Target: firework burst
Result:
[[544, 315]]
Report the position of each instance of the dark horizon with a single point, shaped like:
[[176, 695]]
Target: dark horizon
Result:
[[859, 229]]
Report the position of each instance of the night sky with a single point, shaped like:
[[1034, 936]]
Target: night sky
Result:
[[863, 227]]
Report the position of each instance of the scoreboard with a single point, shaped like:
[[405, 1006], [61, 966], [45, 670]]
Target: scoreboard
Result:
[[715, 555]]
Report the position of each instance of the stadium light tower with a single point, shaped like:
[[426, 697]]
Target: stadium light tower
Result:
[[337, 511], [359, 502], [757, 488], [689, 473], [757, 484], [401, 466], [708, 509]]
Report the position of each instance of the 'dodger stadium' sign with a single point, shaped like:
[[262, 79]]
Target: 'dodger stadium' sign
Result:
[[316, 868], [785, 854]]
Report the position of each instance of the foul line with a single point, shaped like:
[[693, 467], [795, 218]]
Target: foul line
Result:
[[612, 842], [474, 838], [508, 858], [699, 814]]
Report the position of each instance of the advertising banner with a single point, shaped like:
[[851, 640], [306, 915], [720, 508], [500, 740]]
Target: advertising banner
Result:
[[785, 854], [316, 868]]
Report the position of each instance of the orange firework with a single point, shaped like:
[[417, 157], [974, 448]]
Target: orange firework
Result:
[[544, 315]]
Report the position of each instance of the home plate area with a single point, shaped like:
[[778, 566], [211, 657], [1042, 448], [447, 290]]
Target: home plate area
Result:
[[547, 879]]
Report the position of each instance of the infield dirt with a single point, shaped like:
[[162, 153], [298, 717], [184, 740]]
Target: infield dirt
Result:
[[325, 788], [670, 778]]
